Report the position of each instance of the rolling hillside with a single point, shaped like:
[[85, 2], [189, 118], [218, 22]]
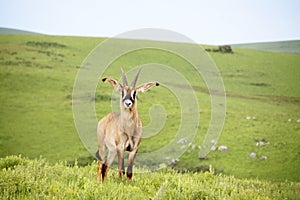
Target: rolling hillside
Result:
[[37, 74], [14, 31], [292, 46]]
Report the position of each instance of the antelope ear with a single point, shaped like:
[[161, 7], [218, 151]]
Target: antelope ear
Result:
[[118, 87], [146, 86]]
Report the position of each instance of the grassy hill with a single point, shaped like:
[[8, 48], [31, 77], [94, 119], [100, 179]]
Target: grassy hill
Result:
[[291, 46], [36, 85], [14, 31], [37, 73]]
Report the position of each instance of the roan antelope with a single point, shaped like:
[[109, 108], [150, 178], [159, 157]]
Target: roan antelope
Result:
[[121, 131]]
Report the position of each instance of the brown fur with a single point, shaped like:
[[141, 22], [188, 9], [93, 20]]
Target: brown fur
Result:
[[122, 131]]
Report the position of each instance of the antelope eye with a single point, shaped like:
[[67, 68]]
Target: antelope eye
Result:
[[133, 95]]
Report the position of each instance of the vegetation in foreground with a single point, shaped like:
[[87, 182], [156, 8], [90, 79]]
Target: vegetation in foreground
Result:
[[21, 178]]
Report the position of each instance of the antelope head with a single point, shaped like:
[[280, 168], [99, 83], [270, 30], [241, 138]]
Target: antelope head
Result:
[[128, 93]]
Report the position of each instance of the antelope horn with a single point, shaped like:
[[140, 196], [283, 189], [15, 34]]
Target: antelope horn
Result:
[[125, 83], [135, 78]]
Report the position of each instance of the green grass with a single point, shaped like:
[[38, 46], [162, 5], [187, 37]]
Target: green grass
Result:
[[37, 73], [36, 86], [21, 178]]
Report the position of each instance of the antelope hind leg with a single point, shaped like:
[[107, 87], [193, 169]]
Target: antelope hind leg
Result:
[[100, 164], [99, 170], [104, 171]]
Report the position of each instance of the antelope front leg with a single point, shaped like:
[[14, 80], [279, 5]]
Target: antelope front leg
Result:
[[130, 163], [120, 153]]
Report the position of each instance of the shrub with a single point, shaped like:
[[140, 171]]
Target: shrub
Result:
[[11, 162], [45, 44]]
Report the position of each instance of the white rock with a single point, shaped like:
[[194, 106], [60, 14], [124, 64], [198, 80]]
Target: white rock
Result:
[[260, 143], [252, 155], [174, 161], [264, 157], [214, 141], [182, 140], [222, 148], [213, 148]]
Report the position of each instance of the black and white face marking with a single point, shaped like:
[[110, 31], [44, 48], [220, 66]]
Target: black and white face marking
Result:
[[128, 98]]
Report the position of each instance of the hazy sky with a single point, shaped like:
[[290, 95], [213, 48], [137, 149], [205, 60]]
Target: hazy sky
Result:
[[204, 21]]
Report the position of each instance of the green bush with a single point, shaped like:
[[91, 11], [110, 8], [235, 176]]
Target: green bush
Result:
[[11, 162]]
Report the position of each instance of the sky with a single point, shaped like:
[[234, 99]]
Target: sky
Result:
[[203, 21]]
